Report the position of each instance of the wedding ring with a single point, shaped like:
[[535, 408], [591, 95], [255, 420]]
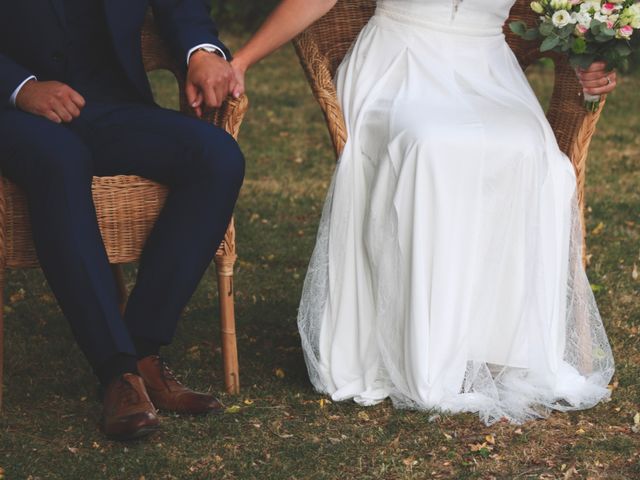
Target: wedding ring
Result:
[[608, 80]]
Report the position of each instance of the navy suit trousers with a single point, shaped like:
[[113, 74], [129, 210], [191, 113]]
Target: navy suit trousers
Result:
[[200, 163]]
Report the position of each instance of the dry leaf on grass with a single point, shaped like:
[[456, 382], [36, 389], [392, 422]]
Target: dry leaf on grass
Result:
[[636, 423], [598, 230], [410, 462], [363, 416]]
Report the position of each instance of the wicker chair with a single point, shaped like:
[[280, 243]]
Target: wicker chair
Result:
[[324, 44], [127, 207]]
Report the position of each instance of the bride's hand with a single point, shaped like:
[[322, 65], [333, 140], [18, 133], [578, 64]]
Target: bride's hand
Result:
[[596, 80], [239, 71]]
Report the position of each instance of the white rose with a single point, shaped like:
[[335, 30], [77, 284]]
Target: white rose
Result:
[[590, 6], [561, 18], [581, 18]]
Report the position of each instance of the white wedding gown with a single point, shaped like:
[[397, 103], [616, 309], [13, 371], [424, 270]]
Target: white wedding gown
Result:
[[447, 272]]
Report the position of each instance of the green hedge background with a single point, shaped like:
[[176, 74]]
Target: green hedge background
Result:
[[241, 15]]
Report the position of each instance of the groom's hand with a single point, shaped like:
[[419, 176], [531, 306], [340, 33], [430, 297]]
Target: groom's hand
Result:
[[55, 101], [209, 81]]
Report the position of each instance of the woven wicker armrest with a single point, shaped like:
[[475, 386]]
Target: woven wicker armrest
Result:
[[317, 68]]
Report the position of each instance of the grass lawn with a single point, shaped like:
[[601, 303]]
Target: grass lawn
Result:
[[278, 428]]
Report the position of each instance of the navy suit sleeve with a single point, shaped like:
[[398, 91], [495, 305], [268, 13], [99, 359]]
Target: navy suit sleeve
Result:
[[187, 23], [11, 75]]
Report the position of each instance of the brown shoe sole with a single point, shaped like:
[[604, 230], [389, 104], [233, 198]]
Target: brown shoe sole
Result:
[[214, 411], [140, 433]]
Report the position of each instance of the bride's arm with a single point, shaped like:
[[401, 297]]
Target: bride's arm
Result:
[[288, 19]]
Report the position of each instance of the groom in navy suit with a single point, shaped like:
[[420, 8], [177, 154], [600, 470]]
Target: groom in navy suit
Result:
[[75, 102]]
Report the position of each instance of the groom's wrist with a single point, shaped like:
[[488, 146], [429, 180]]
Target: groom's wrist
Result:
[[205, 48]]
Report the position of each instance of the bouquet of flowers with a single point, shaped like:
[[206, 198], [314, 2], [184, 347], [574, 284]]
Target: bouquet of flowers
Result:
[[585, 30]]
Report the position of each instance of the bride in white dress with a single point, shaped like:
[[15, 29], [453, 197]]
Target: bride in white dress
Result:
[[447, 272]]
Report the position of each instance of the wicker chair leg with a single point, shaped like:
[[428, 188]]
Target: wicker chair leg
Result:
[[228, 331], [1, 334], [3, 264], [225, 260], [121, 286]]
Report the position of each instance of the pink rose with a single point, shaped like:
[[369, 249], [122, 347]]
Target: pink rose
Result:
[[581, 29], [625, 32], [608, 8]]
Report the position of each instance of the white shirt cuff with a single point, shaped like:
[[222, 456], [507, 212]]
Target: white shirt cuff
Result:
[[14, 95], [208, 47]]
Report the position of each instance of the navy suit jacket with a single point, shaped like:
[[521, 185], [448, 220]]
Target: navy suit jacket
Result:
[[32, 37]]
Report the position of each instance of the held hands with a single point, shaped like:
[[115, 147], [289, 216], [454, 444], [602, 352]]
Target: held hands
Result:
[[210, 79], [596, 80], [53, 100]]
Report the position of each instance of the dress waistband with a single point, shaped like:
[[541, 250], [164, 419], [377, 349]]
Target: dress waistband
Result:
[[407, 18]]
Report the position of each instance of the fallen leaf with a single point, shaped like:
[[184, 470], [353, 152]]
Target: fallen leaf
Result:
[[634, 272], [73, 450], [598, 230], [279, 373], [476, 447], [410, 461], [636, 423], [490, 439], [248, 401], [17, 296], [363, 416], [569, 473], [233, 409]]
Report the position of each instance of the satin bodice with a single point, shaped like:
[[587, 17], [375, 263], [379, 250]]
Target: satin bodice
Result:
[[472, 14]]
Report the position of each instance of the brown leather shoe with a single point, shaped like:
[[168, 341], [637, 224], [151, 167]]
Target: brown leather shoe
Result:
[[128, 412], [167, 393]]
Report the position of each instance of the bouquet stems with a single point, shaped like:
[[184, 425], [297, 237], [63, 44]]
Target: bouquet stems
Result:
[[592, 102]]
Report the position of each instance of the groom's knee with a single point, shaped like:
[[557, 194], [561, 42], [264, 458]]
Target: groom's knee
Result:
[[217, 157]]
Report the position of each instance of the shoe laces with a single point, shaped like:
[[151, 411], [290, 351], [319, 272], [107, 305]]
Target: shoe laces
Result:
[[166, 373]]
